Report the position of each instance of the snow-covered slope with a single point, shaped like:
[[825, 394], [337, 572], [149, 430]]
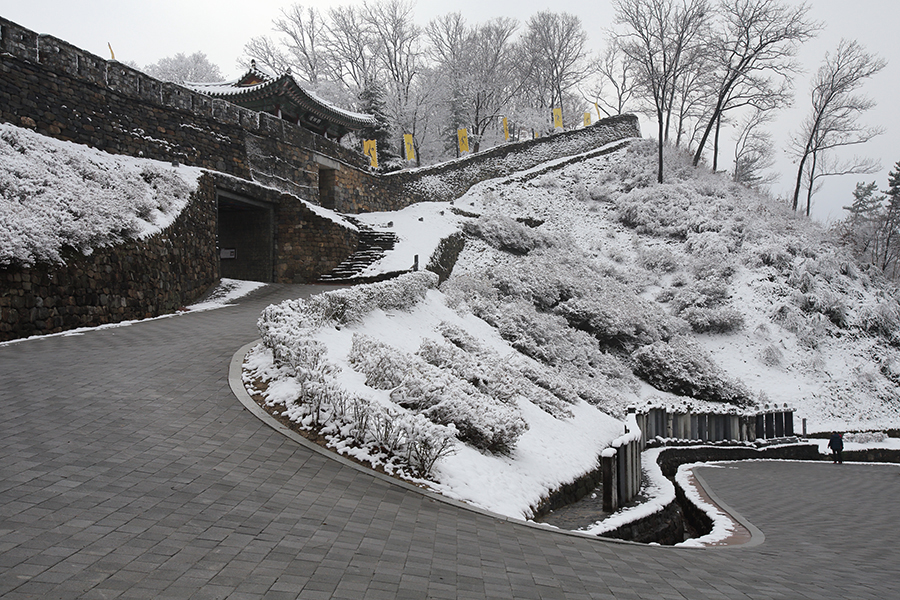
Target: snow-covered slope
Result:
[[56, 195], [783, 312]]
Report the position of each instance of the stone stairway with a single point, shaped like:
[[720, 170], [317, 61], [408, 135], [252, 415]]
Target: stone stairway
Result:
[[372, 246]]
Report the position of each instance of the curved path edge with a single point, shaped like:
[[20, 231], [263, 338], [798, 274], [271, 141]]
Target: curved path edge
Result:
[[235, 381], [757, 537]]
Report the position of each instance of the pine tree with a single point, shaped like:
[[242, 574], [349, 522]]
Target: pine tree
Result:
[[372, 102]]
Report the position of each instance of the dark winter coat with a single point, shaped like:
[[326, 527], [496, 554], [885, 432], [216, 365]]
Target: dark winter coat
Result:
[[836, 443]]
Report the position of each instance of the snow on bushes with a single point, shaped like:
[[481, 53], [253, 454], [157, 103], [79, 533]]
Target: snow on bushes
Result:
[[317, 400], [58, 195], [439, 394], [683, 367], [509, 235]]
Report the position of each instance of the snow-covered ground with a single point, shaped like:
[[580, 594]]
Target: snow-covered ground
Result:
[[56, 195], [774, 267]]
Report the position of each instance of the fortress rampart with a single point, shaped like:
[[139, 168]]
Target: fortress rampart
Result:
[[262, 169]]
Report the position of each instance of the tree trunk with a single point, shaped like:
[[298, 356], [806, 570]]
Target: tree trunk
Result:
[[812, 181], [798, 184], [715, 164], [659, 177]]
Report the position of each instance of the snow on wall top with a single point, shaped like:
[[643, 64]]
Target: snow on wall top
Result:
[[56, 194]]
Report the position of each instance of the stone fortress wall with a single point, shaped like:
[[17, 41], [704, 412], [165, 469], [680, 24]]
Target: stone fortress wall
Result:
[[259, 161]]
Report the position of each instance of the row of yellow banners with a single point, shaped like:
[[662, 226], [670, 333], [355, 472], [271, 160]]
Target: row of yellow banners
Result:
[[370, 148]]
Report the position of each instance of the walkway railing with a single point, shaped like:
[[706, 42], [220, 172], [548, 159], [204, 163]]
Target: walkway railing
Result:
[[620, 465], [769, 423]]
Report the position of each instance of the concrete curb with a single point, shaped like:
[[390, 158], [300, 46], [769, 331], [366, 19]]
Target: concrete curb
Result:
[[237, 387], [757, 537]]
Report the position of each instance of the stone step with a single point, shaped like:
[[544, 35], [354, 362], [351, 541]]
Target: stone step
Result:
[[373, 245]]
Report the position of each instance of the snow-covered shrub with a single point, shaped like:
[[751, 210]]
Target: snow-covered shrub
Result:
[[866, 437], [618, 319], [704, 293], [881, 318], [827, 303], [669, 210], [772, 356], [661, 259], [772, 255], [509, 235], [683, 367], [425, 442], [385, 427], [361, 411], [439, 394], [713, 320], [351, 305], [490, 426], [459, 337], [383, 365]]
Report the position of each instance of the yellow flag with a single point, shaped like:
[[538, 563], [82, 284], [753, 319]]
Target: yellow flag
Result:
[[597, 106], [557, 118], [409, 146], [463, 136], [587, 119], [111, 53], [370, 149], [505, 130]]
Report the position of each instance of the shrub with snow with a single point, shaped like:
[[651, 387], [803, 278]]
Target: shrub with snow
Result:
[[57, 196], [509, 235], [439, 394], [683, 367]]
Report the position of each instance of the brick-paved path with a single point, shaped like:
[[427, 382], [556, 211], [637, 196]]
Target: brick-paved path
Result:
[[129, 470]]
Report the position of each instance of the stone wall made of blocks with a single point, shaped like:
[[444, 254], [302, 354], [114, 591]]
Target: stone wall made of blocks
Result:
[[360, 190], [134, 280], [306, 245]]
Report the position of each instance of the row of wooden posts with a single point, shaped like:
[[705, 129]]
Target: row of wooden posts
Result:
[[620, 463], [771, 422]]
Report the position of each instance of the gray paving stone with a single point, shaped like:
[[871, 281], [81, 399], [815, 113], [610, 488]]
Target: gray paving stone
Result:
[[128, 470]]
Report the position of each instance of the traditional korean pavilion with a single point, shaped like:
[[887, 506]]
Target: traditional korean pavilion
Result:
[[284, 98]]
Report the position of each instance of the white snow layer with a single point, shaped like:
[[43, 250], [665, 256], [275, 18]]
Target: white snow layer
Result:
[[56, 195]]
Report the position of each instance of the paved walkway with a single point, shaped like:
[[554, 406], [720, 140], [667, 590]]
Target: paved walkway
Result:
[[129, 470]]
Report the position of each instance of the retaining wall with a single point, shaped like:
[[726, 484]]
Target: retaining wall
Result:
[[134, 280], [162, 273], [48, 85]]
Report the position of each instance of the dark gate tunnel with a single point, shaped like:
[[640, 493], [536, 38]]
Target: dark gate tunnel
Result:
[[245, 237]]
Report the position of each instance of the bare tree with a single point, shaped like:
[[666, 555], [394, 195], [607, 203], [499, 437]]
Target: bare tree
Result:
[[350, 46], [751, 57], [615, 70], [397, 39], [304, 34], [555, 44], [659, 35], [753, 151], [267, 53], [834, 119], [181, 68], [477, 63], [301, 48]]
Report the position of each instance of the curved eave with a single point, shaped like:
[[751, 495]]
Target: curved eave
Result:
[[340, 121]]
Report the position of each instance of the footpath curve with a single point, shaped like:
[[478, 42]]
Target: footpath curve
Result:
[[129, 470]]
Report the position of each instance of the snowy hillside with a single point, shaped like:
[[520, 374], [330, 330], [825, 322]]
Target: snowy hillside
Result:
[[624, 283], [58, 195], [581, 290]]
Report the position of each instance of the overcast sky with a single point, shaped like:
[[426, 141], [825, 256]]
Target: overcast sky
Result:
[[148, 30]]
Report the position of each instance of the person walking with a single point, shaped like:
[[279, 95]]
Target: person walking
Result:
[[836, 443]]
